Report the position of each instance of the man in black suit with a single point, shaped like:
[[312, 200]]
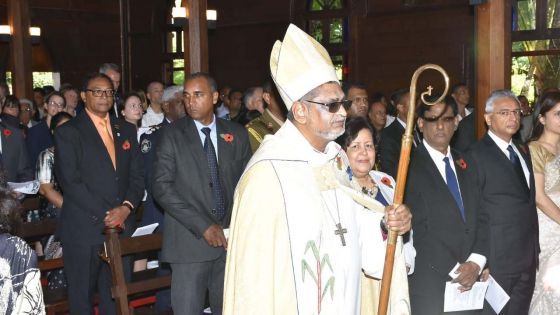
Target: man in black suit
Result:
[[99, 168], [198, 161], [508, 199], [442, 192], [13, 155], [390, 143]]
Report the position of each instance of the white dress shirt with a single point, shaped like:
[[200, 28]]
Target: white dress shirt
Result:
[[437, 158], [503, 147], [213, 133]]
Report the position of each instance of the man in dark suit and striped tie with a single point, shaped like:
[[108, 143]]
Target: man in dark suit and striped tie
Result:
[[198, 161], [508, 199]]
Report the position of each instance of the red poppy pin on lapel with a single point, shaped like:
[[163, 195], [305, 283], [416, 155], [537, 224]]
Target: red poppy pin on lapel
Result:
[[7, 132], [386, 181], [461, 163], [228, 137], [126, 145]]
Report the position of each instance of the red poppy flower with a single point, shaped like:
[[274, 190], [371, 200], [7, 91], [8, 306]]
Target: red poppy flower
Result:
[[228, 137], [7, 132], [386, 181], [126, 145], [462, 164]]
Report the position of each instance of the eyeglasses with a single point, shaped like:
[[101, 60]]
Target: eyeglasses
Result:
[[334, 106], [505, 113], [445, 120], [59, 105], [99, 93]]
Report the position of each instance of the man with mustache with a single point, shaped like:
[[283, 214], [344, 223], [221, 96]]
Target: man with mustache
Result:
[[299, 241]]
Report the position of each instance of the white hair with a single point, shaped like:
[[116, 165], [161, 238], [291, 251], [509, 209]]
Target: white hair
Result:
[[170, 92], [26, 101], [496, 95]]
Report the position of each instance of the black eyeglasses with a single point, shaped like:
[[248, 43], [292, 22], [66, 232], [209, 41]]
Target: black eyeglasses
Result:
[[334, 106], [98, 93]]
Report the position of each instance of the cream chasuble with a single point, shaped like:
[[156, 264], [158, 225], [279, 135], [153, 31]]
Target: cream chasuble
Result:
[[286, 253]]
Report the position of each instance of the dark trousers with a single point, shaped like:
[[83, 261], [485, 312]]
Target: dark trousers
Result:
[[189, 284], [520, 289], [86, 273]]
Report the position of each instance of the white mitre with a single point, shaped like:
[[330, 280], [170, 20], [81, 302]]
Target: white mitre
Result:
[[298, 64]]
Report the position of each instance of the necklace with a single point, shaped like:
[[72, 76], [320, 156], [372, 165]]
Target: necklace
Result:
[[370, 191], [340, 231]]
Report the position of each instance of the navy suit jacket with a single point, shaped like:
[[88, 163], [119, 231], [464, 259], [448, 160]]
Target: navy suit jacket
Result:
[[38, 139], [441, 237], [14, 155], [510, 207]]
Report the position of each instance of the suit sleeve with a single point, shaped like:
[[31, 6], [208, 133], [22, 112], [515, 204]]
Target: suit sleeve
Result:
[[481, 245], [25, 171], [135, 190], [389, 151], [172, 201], [67, 168]]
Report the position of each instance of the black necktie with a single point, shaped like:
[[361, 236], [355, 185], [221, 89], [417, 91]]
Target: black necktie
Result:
[[453, 186], [214, 174], [514, 158]]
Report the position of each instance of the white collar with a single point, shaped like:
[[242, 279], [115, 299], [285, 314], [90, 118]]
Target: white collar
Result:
[[500, 142], [435, 154]]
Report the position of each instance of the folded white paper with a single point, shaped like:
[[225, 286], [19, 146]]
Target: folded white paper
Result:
[[29, 188], [226, 233], [496, 296], [145, 230], [456, 300]]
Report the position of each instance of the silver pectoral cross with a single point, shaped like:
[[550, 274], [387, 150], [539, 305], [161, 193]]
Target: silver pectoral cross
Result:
[[340, 232]]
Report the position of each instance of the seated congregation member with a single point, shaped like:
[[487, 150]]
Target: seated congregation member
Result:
[[236, 108], [222, 109], [13, 154], [99, 169], [357, 142], [271, 119], [173, 109], [26, 114], [507, 184], [357, 93], [20, 283], [545, 156], [253, 105], [72, 98], [10, 112], [312, 226], [51, 201], [39, 136], [449, 228], [198, 161], [154, 112], [131, 109]]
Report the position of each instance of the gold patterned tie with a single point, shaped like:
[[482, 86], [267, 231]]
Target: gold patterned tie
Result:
[[109, 143]]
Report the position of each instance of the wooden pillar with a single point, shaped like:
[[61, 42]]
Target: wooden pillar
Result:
[[198, 37], [493, 54], [22, 75], [125, 48]]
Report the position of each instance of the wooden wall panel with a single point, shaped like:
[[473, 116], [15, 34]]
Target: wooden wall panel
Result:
[[390, 47]]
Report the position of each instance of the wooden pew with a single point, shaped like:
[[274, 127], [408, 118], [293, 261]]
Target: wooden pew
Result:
[[115, 248], [56, 301]]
